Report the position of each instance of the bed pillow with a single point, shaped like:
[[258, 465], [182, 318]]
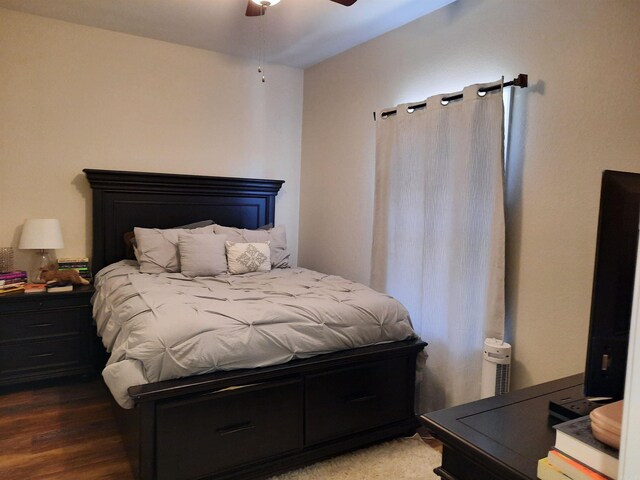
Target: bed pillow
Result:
[[130, 239], [202, 255], [276, 237], [191, 226], [248, 257], [157, 249]]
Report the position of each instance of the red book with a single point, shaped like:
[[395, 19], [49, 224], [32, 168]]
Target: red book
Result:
[[572, 468], [35, 288]]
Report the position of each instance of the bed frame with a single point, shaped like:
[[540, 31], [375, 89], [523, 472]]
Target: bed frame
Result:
[[250, 423]]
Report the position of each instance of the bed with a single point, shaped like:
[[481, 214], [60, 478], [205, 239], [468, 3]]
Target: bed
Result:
[[247, 422]]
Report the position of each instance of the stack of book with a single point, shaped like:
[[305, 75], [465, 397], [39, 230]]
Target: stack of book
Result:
[[577, 455], [79, 264], [12, 281]]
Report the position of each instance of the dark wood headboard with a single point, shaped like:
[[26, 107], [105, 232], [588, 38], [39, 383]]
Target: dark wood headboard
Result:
[[123, 200]]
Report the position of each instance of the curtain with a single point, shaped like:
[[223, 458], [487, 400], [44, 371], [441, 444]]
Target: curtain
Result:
[[438, 240]]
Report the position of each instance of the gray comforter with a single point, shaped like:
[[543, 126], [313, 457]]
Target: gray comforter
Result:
[[163, 326]]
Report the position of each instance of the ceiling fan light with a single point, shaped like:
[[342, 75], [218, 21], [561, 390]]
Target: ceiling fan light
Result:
[[266, 3]]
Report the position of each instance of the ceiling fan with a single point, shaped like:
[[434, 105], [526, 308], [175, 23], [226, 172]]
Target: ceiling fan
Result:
[[257, 8]]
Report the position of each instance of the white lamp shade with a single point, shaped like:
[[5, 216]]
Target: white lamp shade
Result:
[[266, 3], [41, 234]]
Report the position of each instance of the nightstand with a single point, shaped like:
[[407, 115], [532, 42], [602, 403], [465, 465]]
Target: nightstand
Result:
[[46, 335]]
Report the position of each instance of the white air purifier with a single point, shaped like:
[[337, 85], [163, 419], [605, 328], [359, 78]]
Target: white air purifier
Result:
[[496, 366]]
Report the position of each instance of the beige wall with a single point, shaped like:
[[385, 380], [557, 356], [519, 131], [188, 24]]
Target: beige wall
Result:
[[580, 115], [74, 97]]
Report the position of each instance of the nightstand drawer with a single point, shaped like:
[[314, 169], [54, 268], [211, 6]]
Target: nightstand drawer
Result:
[[356, 399], [22, 359], [34, 302], [46, 324]]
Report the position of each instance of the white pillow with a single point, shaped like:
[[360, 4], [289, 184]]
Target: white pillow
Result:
[[202, 255], [157, 249], [248, 257], [276, 237]]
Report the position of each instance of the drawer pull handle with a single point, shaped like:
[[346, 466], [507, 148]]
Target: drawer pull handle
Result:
[[238, 427], [41, 325], [41, 355], [443, 474], [362, 398]]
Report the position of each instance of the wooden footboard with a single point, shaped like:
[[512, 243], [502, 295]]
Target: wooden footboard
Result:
[[256, 423]]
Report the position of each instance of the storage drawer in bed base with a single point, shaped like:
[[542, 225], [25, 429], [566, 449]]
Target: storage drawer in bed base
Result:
[[315, 453], [176, 425], [357, 398], [213, 432]]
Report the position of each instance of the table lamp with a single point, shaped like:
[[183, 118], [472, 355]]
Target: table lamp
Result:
[[42, 234]]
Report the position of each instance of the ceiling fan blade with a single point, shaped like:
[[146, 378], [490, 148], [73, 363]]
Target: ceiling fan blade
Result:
[[346, 3], [254, 10]]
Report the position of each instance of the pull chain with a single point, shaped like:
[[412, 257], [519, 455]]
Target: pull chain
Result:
[[263, 9]]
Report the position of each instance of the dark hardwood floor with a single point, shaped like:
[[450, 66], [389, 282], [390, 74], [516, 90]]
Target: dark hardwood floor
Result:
[[60, 432], [66, 431]]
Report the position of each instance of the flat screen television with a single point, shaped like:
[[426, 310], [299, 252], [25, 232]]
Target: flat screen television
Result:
[[612, 296]]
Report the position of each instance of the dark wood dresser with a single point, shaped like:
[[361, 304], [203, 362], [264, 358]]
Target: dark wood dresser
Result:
[[45, 335], [499, 438]]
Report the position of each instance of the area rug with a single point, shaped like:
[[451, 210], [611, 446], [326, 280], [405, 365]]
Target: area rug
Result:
[[400, 459]]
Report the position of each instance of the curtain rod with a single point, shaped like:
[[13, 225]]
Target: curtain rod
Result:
[[522, 81]]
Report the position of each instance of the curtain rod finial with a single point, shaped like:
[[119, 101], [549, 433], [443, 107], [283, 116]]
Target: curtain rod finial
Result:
[[522, 81]]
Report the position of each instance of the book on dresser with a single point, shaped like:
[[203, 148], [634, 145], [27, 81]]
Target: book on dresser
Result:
[[35, 288], [579, 455], [12, 278], [546, 471], [12, 288], [572, 468], [56, 286], [79, 264]]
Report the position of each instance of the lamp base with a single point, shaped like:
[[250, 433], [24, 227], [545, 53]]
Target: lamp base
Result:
[[41, 261]]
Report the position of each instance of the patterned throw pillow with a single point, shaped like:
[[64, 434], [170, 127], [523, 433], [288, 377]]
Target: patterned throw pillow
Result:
[[248, 257], [275, 237]]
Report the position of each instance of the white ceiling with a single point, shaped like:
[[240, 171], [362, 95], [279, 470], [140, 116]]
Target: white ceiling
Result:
[[298, 33]]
